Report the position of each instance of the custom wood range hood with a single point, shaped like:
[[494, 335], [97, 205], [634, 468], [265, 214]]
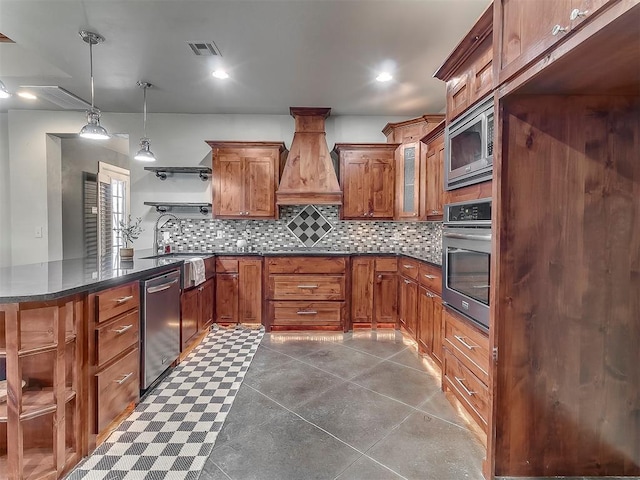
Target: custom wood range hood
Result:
[[309, 176]]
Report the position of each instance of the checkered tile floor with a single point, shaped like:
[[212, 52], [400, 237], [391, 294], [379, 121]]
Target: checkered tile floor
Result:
[[173, 430]]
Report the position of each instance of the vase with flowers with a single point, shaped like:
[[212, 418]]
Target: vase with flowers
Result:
[[129, 231]]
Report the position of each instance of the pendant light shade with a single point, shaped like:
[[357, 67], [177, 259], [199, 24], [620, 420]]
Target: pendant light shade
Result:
[[4, 93], [145, 154], [92, 130]]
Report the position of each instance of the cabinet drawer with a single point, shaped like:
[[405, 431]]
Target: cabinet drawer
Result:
[[118, 386], [115, 337], [389, 264], [306, 265], [469, 344], [408, 267], [467, 388], [306, 287], [431, 277], [114, 301], [306, 313], [226, 265]]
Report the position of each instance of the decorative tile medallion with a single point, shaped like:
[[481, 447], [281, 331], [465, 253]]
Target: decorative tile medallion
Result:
[[309, 226]]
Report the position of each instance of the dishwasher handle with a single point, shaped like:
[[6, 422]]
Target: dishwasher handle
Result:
[[160, 288]]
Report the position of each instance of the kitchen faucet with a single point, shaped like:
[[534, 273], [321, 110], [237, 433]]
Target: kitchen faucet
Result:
[[156, 244]]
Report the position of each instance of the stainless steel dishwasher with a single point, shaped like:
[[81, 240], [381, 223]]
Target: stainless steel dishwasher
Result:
[[160, 326]]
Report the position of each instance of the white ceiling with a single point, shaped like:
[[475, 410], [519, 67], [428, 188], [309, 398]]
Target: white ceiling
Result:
[[278, 53]]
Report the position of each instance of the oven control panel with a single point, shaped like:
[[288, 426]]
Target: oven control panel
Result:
[[477, 212]]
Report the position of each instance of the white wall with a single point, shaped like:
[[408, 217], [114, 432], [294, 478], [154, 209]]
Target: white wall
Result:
[[5, 206], [176, 139]]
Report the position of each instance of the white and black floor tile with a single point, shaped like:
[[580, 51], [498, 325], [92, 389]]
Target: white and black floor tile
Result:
[[173, 429]]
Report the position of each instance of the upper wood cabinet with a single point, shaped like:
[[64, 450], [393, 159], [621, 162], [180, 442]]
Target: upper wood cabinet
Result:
[[434, 173], [410, 165], [367, 178], [528, 29], [468, 71], [245, 178]]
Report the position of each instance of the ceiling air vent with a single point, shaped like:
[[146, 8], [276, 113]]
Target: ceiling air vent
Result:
[[59, 96], [204, 49]]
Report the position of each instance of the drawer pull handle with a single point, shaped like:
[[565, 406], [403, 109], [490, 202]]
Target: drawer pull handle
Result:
[[461, 340], [307, 312], [308, 286], [408, 266], [124, 378], [121, 330], [430, 277], [122, 300], [576, 13], [464, 387], [558, 29]]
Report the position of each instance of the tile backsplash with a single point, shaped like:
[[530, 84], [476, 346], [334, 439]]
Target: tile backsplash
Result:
[[221, 235]]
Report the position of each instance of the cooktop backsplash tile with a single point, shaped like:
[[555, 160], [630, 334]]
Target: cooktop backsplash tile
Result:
[[326, 230]]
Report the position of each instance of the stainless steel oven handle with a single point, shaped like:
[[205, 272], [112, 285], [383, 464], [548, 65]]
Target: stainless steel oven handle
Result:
[[160, 288], [467, 236]]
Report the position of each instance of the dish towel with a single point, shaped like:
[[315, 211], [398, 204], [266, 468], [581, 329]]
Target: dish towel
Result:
[[197, 271]]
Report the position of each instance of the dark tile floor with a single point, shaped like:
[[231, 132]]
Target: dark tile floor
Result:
[[362, 405]]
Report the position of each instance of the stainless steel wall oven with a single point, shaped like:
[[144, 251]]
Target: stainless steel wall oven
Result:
[[466, 259], [469, 146]]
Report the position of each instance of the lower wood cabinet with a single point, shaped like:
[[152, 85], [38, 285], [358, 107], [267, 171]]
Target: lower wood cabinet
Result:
[[306, 292], [114, 357], [408, 317], [196, 312], [238, 290], [429, 329], [374, 291], [466, 365], [430, 324]]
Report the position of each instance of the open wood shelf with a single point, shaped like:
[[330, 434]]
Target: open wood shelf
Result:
[[162, 207], [162, 172], [36, 403]]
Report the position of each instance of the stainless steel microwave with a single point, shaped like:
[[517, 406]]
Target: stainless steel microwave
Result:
[[469, 147]]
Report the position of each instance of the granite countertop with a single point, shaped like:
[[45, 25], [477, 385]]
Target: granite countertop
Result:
[[51, 280]]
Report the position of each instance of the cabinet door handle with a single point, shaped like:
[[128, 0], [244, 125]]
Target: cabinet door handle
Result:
[[407, 281], [123, 379], [430, 277], [558, 29], [576, 13], [311, 287], [461, 340], [464, 387], [121, 330], [122, 300], [307, 312], [379, 277]]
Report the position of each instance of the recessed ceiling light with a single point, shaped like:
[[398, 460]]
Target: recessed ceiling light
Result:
[[220, 73], [27, 95], [384, 77]]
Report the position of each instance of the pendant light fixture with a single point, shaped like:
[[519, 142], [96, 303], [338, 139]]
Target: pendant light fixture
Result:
[[92, 129], [4, 93], [144, 154]]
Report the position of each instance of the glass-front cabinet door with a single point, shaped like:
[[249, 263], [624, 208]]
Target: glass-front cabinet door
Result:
[[408, 185]]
